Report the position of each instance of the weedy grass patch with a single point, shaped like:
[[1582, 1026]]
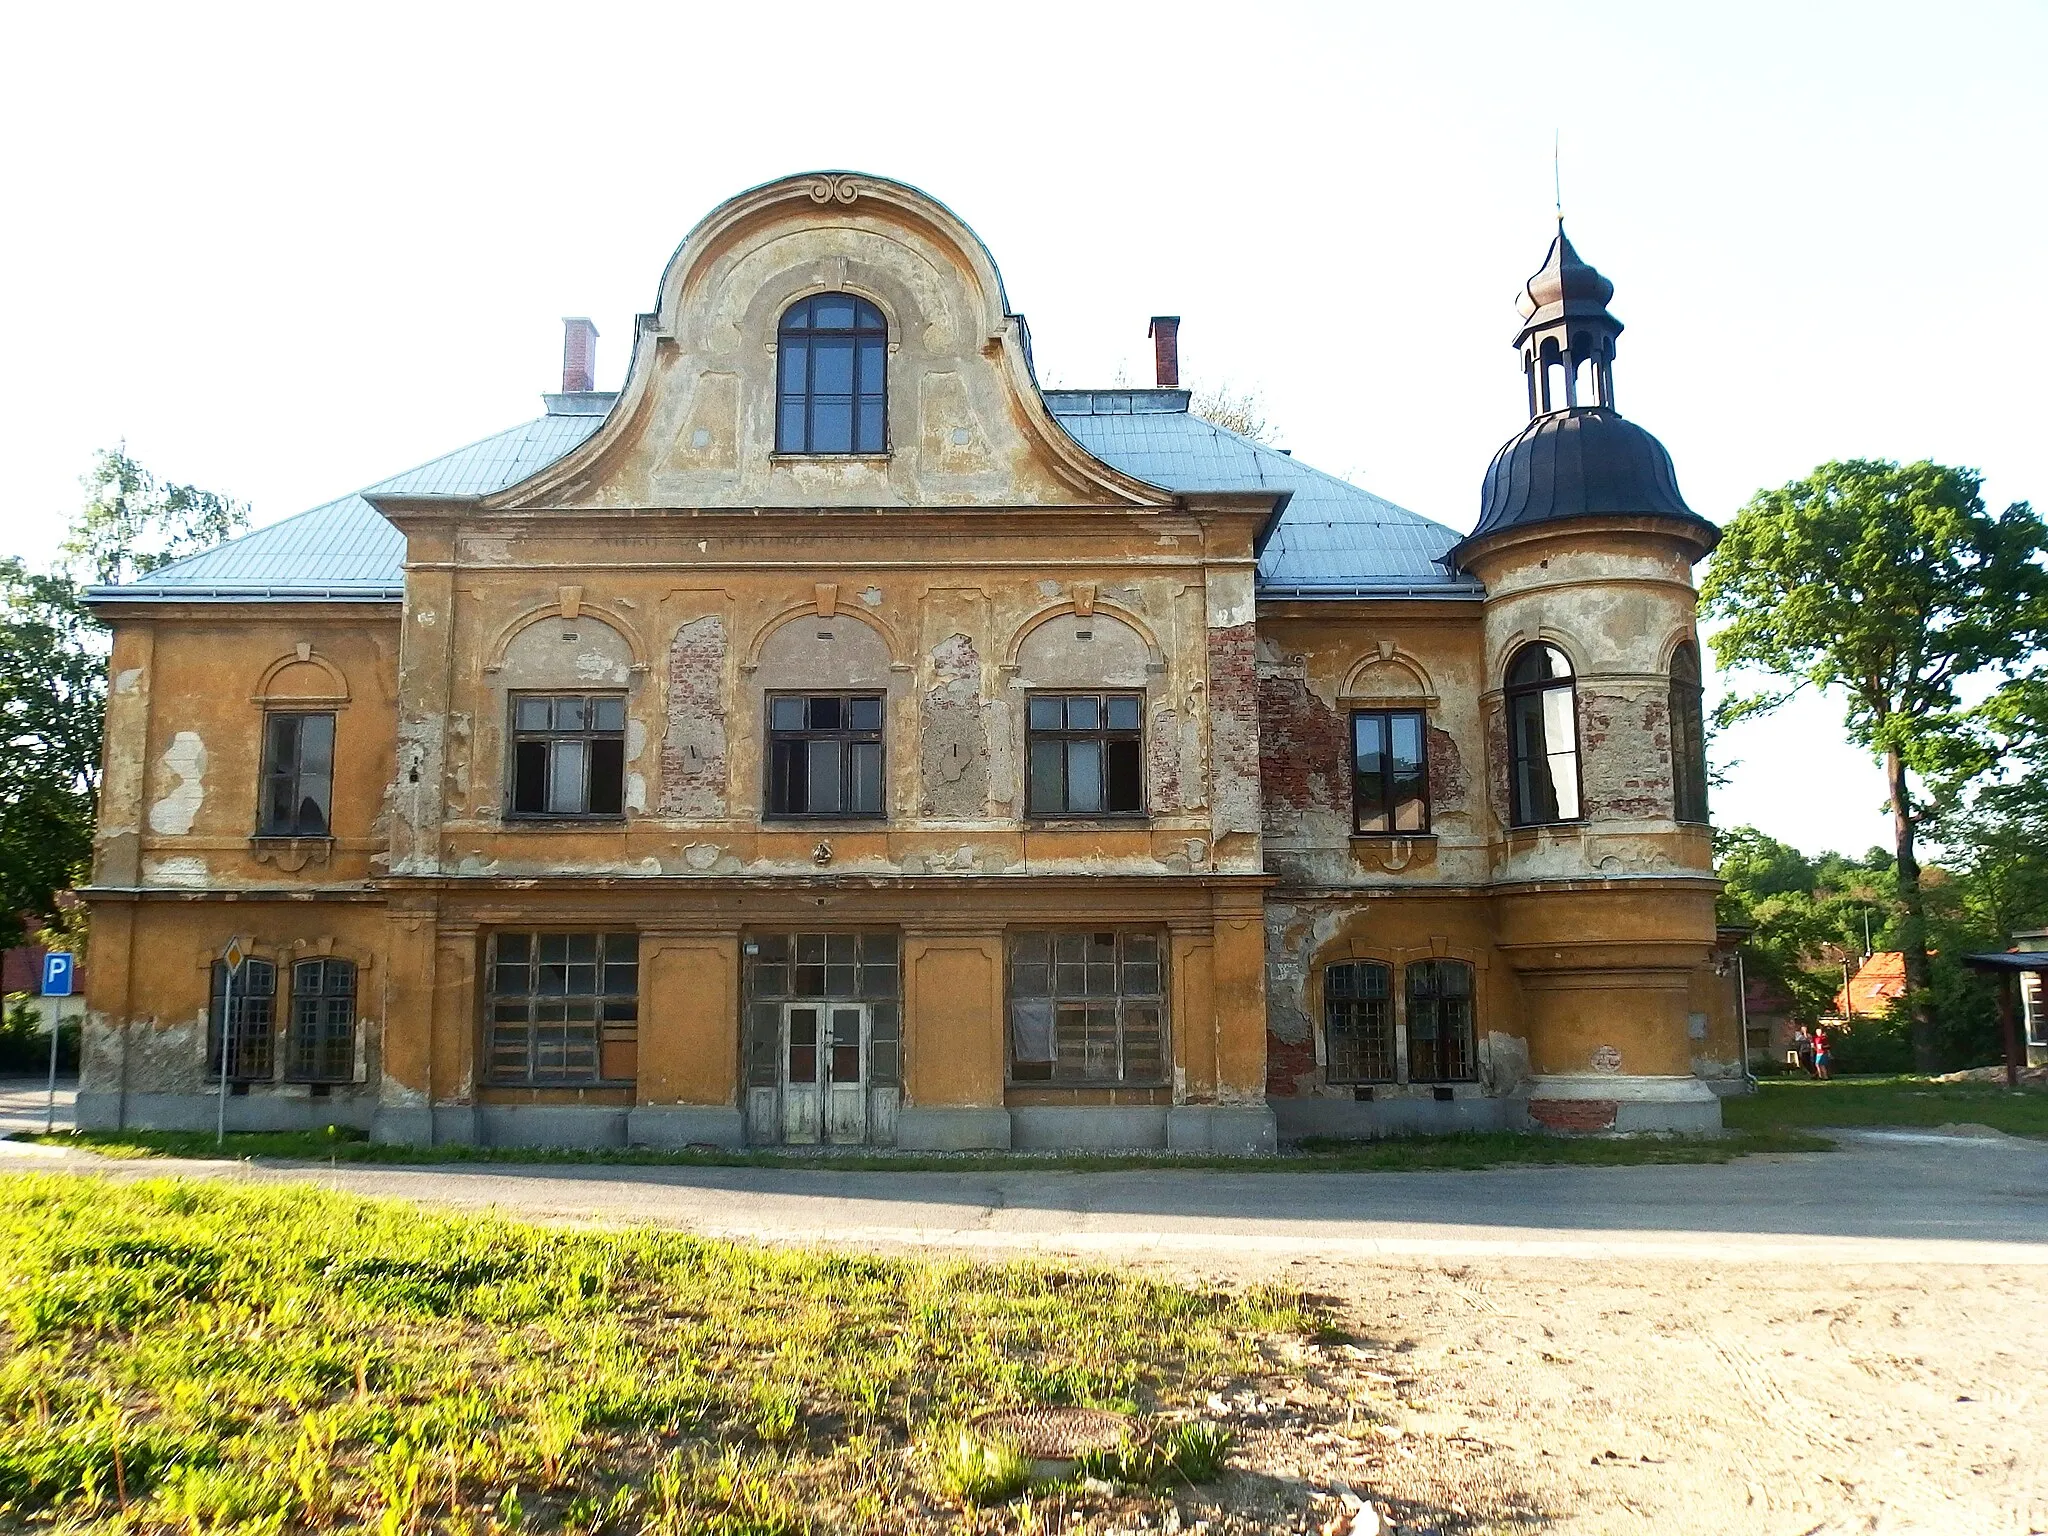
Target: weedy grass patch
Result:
[[1390, 1154], [1783, 1105], [204, 1359]]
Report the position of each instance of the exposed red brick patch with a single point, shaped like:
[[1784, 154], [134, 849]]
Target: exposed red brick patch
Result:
[[1290, 1065], [1448, 780], [693, 753], [1627, 745], [1302, 751], [1574, 1115], [1234, 729]]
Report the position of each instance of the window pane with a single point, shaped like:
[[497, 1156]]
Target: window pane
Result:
[[1046, 712], [831, 368], [786, 713], [530, 777], [571, 714], [316, 743], [789, 778], [1563, 751], [530, 714], [832, 424], [608, 714], [566, 776], [1084, 713], [1126, 777], [1409, 785], [870, 438], [825, 789], [797, 316], [1046, 799], [1369, 795], [873, 355], [1123, 714], [832, 311], [865, 714], [789, 426], [607, 777], [864, 797], [825, 713], [278, 804], [1084, 775], [790, 358]]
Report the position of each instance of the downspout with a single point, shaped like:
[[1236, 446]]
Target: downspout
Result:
[[1742, 1017]]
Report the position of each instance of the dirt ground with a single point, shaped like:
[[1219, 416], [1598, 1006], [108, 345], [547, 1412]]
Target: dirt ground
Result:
[[1577, 1397]]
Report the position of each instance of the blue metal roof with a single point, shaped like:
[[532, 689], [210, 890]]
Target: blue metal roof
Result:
[[1333, 539]]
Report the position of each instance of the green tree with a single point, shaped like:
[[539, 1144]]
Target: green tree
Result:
[[1893, 585], [53, 671]]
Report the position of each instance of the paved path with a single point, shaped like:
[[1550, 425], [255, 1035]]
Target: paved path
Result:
[[1885, 1197], [24, 1102]]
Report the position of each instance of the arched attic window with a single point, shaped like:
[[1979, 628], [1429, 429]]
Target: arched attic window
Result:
[[1688, 737], [832, 354], [1543, 737]]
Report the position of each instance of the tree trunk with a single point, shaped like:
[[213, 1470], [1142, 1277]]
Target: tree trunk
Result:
[[1913, 920]]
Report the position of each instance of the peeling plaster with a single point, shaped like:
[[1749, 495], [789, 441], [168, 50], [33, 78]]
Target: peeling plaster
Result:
[[954, 741], [188, 872], [693, 756], [184, 760], [127, 680]]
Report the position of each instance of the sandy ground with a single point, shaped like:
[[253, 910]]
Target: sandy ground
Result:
[[1847, 1342]]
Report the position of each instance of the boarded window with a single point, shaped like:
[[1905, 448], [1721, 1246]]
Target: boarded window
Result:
[[249, 1007], [1087, 1007], [1358, 1022], [298, 775], [321, 1046], [565, 1007], [1441, 1045], [568, 754]]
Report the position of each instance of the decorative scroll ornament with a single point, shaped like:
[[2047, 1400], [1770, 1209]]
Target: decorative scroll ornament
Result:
[[828, 189]]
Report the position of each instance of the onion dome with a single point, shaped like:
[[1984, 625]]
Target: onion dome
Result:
[[1566, 286]]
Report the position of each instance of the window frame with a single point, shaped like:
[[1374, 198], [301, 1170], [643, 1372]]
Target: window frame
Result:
[[1386, 715], [1410, 971], [240, 1022], [845, 735], [602, 1000], [1102, 733], [1332, 998], [863, 337], [516, 737], [1519, 814], [1688, 756], [1121, 1001], [305, 1059], [273, 774]]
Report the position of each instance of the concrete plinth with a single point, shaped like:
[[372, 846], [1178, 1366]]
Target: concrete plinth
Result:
[[684, 1125], [1225, 1129], [1595, 1103], [951, 1130]]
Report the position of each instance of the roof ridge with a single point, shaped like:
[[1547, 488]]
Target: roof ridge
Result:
[[1323, 474], [488, 437]]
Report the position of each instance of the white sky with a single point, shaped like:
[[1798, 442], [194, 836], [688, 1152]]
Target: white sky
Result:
[[285, 250]]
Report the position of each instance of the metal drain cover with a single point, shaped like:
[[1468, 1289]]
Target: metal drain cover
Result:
[[1052, 1434]]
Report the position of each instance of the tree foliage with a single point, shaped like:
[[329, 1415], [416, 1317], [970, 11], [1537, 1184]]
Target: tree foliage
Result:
[[1893, 586], [53, 671], [1242, 411]]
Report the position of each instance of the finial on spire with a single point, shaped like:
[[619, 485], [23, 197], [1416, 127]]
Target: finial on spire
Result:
[[1557, 176]]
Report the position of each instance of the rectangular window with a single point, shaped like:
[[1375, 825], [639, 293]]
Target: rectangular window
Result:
[[1086, 754], [825, 755], [250, 1009], [298, 775], [1389, 772], [568, 754], [1441, 1047], [558, 1001], [321, 1047], [1087, 1007], [1358, 1023]]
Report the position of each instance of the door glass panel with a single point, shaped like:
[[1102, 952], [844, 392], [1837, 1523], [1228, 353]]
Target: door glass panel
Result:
[[846, 1045], [803, 1045], [1084, 775]]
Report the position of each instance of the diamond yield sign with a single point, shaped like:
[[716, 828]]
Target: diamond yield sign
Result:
[[231, 957]]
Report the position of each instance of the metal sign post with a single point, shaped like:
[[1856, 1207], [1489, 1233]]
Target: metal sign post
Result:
[[231, 962], [59, 968]]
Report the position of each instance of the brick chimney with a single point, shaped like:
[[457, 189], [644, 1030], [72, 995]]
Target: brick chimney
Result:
[[579, 355], [1165, 334]]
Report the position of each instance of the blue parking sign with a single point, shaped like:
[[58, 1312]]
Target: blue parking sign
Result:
[[58, 967]]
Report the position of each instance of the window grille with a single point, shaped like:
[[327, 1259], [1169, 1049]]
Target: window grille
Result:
[[1441, 1044], [1358, 1023], [321, 1047], [251, 1023]]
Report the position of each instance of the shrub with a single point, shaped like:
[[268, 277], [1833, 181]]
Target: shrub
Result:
[[978, 1469]]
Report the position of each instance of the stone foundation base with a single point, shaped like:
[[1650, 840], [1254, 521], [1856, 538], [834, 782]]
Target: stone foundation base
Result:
[[262, 1111], [921, 1129], [1591, 1105], [1369, 1119]]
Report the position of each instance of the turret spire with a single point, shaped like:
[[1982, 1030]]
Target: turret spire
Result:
[[1567, 336]]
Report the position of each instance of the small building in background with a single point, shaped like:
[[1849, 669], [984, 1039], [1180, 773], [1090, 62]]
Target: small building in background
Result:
[[21, 979], [2034, 998], [1878, 983]]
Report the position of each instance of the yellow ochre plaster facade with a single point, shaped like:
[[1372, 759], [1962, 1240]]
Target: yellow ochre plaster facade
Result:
[[677, 560]]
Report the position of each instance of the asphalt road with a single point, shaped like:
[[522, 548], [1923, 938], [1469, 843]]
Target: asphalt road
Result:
[[1882, 1197]]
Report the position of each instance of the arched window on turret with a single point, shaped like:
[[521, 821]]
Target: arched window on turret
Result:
[[1688, 737], [1543, 738], [832, 364]]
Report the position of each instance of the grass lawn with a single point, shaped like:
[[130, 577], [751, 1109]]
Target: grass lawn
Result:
[[195, 1358], [1791, 1103], [1487, 1149]]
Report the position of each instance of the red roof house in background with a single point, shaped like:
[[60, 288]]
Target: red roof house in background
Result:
[[1876, 985]]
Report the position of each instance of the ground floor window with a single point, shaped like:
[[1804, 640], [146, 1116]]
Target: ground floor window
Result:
[[557, 1000], [1358, 1022], [854, 967], [1441, 1047], [247, 1011], [1361, 1043], [1087, 1006], [321, 1047]]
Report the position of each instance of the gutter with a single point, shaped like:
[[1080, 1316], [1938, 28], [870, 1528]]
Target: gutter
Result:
[[249, 594]]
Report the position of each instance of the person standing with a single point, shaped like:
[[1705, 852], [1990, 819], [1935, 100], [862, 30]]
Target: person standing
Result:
[[1802, 1050], [1822, 1056]]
